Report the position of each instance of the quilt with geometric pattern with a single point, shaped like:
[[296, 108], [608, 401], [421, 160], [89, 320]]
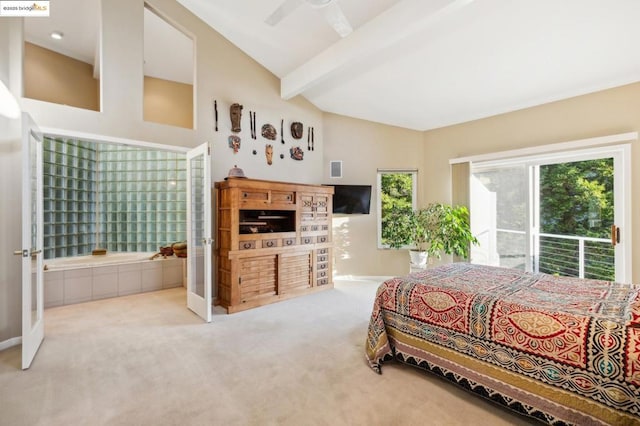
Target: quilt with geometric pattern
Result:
[[562, 350]]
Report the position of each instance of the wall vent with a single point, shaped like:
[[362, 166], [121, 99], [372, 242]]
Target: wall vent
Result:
[[335, 169]]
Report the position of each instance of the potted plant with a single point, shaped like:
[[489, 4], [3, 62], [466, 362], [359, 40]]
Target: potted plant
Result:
[[430, 231]]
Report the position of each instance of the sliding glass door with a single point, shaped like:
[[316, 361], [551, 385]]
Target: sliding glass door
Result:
[[559, 214]]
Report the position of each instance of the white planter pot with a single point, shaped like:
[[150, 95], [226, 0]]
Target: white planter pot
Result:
[[418, 258]]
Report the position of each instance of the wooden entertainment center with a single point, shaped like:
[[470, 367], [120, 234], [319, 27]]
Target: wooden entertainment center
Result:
[[273, 241]]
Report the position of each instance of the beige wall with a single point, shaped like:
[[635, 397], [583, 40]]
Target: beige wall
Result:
[[52, 77], [364, 147], [603, 113], [223, 72], [168, 102]]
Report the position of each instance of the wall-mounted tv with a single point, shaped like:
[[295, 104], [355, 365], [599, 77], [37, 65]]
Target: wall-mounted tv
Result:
[[351, 199]]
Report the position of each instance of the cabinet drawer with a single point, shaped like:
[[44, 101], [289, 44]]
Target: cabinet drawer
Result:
[[247, 245], [287, 242], [323, 251], [322, 281], [307, 240], [323, 257], [323, 238], [323, 274], [269, 243], [323, 266], [283, 197], [254, 195]]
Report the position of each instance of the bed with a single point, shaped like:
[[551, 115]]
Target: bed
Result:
[[561, 350]]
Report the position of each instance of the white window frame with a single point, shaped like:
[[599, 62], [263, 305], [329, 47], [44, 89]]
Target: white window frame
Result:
[[615, 146], [414, 198]]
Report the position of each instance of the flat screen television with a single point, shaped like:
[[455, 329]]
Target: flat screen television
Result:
[[351, 199]]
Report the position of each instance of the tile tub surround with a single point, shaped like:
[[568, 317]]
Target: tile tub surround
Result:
[[86, 278]]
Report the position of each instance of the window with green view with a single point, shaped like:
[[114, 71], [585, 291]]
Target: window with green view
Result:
[[396, 191]]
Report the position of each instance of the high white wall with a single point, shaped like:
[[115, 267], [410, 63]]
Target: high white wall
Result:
[[222, 72]]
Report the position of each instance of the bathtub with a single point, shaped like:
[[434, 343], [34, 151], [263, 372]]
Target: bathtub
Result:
[[84, 278]]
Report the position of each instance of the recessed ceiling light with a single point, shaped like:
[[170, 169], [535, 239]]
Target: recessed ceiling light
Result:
[[57, 35]]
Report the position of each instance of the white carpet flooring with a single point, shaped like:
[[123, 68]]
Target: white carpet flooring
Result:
[[147, 360]]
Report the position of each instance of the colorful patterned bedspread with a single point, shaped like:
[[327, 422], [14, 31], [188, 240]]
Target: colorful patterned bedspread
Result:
[[580, 337]]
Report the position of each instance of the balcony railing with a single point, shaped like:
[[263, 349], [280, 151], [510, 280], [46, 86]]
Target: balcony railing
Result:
[[583, 257]]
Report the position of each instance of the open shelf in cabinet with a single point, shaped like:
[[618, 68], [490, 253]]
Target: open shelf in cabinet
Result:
[[266, 221]]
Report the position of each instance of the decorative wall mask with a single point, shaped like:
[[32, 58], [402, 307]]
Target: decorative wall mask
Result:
[[268, 151], [269, 132], [296, 129], [235, 111], [297, 153], [234, 143]]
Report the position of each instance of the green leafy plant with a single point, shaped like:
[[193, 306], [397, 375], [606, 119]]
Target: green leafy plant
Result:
[[435, 229]]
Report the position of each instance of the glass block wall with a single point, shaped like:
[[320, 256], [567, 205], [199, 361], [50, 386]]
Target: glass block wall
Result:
[[69, 197], [142, 199], [111, 196]]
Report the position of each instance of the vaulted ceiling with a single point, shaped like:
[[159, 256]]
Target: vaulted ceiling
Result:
[[418, 64], [423, 64]]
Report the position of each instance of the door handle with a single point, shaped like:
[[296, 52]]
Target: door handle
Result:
[[615, 235], [26, 253]]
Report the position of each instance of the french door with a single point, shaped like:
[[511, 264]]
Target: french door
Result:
[[32, 242], [199, 242], [561, 214]]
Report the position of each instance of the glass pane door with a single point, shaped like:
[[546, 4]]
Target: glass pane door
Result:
[[32, 242], [576, 214], [199, 254], [499, 218], [563, 214]]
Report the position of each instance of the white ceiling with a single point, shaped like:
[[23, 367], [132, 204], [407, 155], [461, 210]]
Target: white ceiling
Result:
[[423, 64], [418, 64]]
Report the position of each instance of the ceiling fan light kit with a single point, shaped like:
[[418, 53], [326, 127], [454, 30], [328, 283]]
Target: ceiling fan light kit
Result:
[[329, 8]]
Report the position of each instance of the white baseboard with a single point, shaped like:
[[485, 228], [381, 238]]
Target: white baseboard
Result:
[[14, 341], [361, 278]]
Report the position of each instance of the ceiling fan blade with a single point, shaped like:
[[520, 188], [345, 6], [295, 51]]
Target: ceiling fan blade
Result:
[[282, 11], [336, 18]]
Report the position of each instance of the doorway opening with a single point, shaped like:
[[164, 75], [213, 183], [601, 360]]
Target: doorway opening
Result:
[[129, 199]]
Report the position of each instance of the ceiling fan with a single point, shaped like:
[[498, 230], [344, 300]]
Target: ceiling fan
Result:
[[329, 8]]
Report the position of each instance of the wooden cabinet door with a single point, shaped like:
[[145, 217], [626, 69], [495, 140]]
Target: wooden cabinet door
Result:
[[314, 207], [257, 277], [295, 271], [321, 203]]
